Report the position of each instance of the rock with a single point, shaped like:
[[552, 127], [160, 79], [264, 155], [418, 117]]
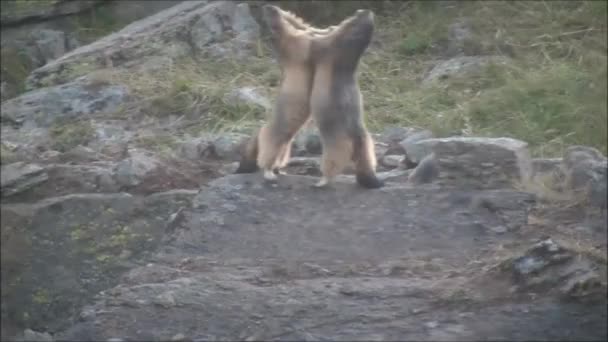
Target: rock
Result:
[[307, 141], [541, 166], [249, 96], [547, 266], [426, 171], [313, 144], [45, 106], [272, 265], [396, 134], [67, 179], [222, 28], [34, 336], [227, 146], [194, 149], [459, 33], [134, 169], [18, 177], [391, 161], [66, 249], [413, 137], [431, 324], [50, 44], [25, 143], [310, 166], [78, 154], [459, 65], [476, 162], [586, 170], [178, 337], [13, 14]]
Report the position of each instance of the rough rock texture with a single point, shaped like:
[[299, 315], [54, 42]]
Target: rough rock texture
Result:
[[75, 246], [72, 100], [14, 13], [371, 268], [549, 266], [586, 170], [191, 27], [459, 65], [476, 162], [19, 177]]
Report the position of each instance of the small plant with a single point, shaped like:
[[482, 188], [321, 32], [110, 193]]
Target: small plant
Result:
[[69, 135]]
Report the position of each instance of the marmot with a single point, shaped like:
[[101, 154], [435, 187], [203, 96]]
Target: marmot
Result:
[[270, 147], [330, 57], [336, 103]]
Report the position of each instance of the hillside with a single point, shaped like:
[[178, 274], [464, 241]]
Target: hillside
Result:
[[122, 124]]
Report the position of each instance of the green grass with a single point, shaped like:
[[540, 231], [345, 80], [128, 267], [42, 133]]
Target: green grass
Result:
[[65, 136], [551, 92]]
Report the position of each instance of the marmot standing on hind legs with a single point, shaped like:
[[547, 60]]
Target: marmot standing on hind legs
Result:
[[270, 147], [331, 57], [336, 102]]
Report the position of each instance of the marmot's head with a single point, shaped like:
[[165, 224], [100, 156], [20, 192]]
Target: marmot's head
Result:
[[291, 43]]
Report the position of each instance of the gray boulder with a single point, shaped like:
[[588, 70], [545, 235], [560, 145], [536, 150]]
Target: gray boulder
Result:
[[74, 100], [134, 169], [586, 170], [190, 27], [460, 65], [476, 162], [18, 177], [58, 253], [325, 260]]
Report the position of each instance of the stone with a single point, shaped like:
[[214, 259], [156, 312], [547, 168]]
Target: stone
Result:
[[249, 96], [73, 100], [391, 161], [30, 335], [227, 146], [426, 171], [395, 133], [44, 10], [586, 170], [274, 264], [307, 141], [413, 137], [221, 28], [132, 170], [460, 65], [19, 177], [548, 266], [476, 162], [84, 236], [50, 44]]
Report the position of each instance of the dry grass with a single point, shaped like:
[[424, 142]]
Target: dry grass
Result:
[[551, 93]]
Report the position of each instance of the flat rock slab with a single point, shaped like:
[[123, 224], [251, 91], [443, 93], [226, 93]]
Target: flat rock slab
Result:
[[256, 261]]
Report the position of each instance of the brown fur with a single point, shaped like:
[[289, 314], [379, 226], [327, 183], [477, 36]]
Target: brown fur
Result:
[[336, 102], [319, 75], [270, 148]]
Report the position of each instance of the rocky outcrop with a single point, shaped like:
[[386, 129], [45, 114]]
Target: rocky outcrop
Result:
[[14, 12], [586, 171], [73, 103], [19, 176], [74, 100], [189, 28], [294, 274], [59, 252], [476, 162]]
